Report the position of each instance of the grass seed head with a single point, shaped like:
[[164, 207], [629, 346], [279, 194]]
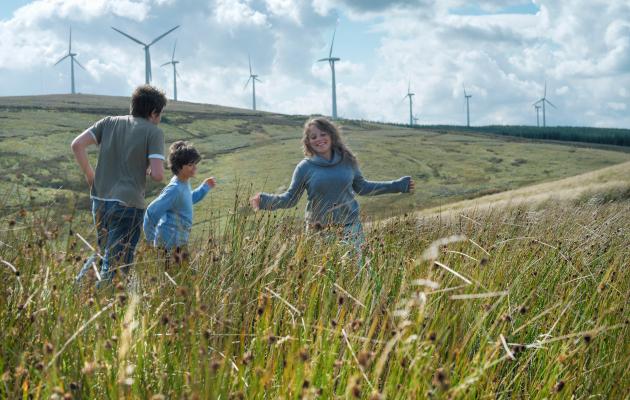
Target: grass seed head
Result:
[[48, 348], [559, 386], [365, 357], [587, 338], [440, 380], [215, 364], [376, 396]]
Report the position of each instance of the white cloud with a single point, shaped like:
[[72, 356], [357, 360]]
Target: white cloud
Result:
[[581, 49], [617, 106], [284, 8], [235, 12]]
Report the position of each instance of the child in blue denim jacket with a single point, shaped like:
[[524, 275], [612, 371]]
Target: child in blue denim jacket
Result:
[[168, 219]]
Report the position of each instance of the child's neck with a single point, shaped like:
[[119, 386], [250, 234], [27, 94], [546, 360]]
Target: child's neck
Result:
[[182, 178]]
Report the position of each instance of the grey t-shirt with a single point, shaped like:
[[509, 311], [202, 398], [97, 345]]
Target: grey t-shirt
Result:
[[126, 143]]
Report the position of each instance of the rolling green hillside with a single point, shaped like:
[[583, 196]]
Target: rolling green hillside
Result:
[[255, 151]]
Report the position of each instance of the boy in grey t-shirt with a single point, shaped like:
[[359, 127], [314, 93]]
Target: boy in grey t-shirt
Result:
[[128, 145]]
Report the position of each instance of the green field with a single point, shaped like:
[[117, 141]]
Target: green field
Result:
[[526, 302], [246, 150], [478, 294]]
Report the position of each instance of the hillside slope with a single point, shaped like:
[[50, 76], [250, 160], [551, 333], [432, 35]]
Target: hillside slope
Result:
[[250, 151], [595, 186]]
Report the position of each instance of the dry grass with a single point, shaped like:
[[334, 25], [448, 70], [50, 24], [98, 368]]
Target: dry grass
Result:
[[263, 311]]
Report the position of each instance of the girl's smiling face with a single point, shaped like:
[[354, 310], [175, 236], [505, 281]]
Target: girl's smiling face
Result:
[[320, 142]]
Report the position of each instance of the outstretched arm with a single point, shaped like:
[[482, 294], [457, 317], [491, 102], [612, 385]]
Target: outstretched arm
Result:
[[79, 148], [364, 187], [203, 189], [287, 199]]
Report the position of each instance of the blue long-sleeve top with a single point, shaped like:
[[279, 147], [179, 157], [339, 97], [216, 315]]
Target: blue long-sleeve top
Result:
[[168, 219], [331, 186]]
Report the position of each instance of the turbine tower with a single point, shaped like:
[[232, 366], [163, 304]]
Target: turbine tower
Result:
[[331, 60], [537, 115], [72, 61], [252, 78], [410, 95], [467, 96], [147, 55], [174, 62], [544, 100]]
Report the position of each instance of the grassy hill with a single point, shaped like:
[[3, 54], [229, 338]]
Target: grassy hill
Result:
[[511, 302], [522, 294], [252, 151]]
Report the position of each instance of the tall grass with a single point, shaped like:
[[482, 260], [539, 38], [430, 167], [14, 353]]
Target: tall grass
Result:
[[262, 310]]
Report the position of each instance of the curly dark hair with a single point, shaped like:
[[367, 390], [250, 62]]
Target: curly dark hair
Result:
[[182, 153], [146, 99]]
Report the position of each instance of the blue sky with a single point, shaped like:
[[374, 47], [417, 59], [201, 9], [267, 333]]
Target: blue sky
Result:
[[503, 51]]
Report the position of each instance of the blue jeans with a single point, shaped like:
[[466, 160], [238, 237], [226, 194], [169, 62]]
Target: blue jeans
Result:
[[118, 231], [351, 235]]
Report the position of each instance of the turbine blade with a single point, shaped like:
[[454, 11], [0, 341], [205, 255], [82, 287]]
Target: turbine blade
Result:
[[545, 94], [257, 79], [538, 101], [465, 94], [166, 63], [551, 104], [250, 64], [162, 35], [323, 59], [70, 42], [128, 36], [246, 83], [62, 58], [78, 63], [332, 43], [174, 47]]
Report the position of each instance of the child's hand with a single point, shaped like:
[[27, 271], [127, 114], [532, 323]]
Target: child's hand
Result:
[[211, 182], [255, 201]]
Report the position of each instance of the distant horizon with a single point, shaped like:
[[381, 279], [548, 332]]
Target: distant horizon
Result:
[[398, 124]]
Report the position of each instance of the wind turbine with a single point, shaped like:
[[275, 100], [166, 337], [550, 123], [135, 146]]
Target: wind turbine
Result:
[[174, 62], [72, 61], [147, 55], [467, 96], [544, 100], [253, 78], [537, 115], [331, 60], [410, 95]]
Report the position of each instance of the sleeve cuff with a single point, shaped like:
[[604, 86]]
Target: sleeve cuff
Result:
[[93, 135], [160, 156], [264, 201], [405, 180]]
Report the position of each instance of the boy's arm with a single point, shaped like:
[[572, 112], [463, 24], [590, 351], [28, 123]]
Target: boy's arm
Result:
[[199, 193], [157, 209], [79, 148], [157, 169]]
